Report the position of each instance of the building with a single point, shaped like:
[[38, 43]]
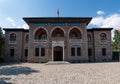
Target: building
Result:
[[58, 39]]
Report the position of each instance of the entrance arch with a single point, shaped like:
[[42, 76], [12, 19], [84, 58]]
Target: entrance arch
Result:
[[58, 53]]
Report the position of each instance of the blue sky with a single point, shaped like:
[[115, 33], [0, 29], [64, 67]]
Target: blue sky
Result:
[[105, 13]]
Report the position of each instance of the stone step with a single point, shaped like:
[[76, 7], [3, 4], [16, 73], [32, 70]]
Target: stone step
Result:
[[56, 62]]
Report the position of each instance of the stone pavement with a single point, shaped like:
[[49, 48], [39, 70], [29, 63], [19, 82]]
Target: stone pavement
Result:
[[81, 73]]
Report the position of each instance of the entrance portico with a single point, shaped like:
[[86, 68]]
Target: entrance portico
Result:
[[57, 50]]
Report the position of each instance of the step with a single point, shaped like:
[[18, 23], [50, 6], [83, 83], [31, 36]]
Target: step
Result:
[[56, 62]]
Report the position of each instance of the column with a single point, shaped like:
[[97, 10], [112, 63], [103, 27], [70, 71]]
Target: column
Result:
[[52, 52], [63, 54]]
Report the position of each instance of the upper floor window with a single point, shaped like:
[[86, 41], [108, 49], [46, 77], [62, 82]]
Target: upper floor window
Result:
[[13, 37], [27, 38], [75, 34], [58, 33], [89, 38], [103, 37], [40, 35]]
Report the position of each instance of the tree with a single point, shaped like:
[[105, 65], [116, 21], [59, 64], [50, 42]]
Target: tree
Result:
[[116, 40], [1, 43]]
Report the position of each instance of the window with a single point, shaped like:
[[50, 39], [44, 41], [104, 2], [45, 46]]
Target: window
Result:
[[103, 51], [27, 38], [89, 52], [75, 51], [89, 37], [13, 37], [26, 52], [58, 33], [12, 52], [42, 51], [72, 51], [78, 51], [103, 37], [75, 34], [36, 51], [40, 35]]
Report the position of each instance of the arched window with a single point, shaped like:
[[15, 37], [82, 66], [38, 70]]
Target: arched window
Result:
[[58, 33], [40, 35], [103, 37], [75, 34], [26, 38], [13, 37], [89, 38]]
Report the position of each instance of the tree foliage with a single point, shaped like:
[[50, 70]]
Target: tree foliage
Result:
[[1, 43], [116, 40]]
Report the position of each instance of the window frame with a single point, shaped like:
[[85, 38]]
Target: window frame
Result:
[[12, 37], [103, 51], [76, 51], [41, 50], [78, 48], [37, 52], [12, 52], [72, 51], [26, 53], [89, 51]]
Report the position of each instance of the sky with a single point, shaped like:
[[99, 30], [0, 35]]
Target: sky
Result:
[[105, 13]]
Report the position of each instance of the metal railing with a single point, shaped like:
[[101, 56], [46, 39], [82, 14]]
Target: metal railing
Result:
[[12, 42], [75, 40], [40, 40]]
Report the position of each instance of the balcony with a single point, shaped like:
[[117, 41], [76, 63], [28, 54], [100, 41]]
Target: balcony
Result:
[[103, 41], [12, 42], [75, 40]]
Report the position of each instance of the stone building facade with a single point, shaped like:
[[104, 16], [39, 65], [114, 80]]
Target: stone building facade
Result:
[[58, 39]]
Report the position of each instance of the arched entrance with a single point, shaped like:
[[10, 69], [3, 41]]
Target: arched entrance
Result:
[[58, 53]]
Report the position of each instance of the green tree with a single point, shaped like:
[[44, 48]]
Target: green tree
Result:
[[1, 43], [116, 40]]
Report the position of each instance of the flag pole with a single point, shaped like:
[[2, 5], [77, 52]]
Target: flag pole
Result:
[[58, 12]]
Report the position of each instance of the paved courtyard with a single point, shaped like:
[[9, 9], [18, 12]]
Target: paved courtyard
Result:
[[82, 73]]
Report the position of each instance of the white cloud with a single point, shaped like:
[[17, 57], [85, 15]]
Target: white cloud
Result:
[[109, 21], [11, 21], [112, 21], [100, 12], [25, 26], [97, 21]]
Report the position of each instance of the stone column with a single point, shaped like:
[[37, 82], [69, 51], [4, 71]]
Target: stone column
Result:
[[52, 52]]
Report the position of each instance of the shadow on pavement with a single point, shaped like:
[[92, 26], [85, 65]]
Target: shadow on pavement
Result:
[[3, 80], [16, 70]]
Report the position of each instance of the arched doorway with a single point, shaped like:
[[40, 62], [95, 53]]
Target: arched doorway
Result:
[[58, 53]]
